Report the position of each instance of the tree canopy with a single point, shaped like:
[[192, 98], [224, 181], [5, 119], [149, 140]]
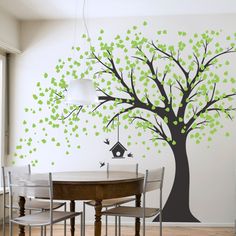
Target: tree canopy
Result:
[[154, 85]]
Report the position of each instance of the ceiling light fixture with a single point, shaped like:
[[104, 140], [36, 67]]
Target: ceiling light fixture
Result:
[[81, 91]]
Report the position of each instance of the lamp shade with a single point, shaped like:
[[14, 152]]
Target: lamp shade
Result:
[[81, 92]]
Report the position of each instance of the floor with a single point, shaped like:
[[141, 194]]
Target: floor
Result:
[[150, 231]]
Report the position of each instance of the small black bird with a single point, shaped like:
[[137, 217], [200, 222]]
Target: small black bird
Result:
[[101, 164], [130, 155], [107, 141]]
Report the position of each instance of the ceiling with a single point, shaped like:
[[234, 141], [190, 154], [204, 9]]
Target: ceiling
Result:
[[66, 9]]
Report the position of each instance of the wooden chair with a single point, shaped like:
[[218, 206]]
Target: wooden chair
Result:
[[115, 201], [31, 204], [153, 181], [34, 186]]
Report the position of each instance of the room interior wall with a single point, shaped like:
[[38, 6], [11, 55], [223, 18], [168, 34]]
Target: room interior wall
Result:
[[9, 32], [212, 175]]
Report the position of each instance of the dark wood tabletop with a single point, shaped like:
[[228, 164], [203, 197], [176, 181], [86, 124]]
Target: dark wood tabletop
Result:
[[95, 185]]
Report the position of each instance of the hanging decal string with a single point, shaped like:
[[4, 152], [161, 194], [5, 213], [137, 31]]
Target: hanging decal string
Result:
[[118, 129]]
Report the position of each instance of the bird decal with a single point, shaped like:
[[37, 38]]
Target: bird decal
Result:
[[101, 164], [130, 155], [107, 141]]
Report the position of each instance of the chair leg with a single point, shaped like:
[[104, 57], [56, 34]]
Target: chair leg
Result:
[[143, 226], [83, 216], [42, 229], [51, 230], [119, 225], [160, 218], [81, 225], [45, 230], [10, 229], [3, 222], [65, 222], [106, 222], [30, 226], [29, 230], [115, 225]]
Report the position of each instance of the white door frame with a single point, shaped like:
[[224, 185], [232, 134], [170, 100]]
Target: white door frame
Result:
[[2, 107]]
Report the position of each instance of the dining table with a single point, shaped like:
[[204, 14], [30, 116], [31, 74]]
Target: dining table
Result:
[[93, 185]]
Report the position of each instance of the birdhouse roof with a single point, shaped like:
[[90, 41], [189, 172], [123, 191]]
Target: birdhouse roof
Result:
[[118, 144]]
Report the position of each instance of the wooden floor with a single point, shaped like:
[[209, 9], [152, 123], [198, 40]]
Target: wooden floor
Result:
[[150, 231]]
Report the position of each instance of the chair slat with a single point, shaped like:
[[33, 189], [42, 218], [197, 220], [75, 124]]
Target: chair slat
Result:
[[154, 179], [30, 185]]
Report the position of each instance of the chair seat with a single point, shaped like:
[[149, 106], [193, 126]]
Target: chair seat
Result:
[[43, 218], [112, 202], [126, 211], [38, 205]]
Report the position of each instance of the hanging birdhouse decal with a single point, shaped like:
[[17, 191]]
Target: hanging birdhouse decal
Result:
[[118, 150]]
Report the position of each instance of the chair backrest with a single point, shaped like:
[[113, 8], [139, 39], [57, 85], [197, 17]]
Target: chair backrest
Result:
[[13, 169], [153, 181], [30, 186], [125, 168]]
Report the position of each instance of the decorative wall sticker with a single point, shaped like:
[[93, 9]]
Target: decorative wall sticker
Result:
[[130, 155], [118, 150], [170, 91], [107, 141], [101, 164]]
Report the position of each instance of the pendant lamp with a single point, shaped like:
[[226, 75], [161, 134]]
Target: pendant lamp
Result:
[[81, 91]]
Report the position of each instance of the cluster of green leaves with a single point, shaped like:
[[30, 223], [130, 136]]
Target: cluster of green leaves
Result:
[[155, 86]]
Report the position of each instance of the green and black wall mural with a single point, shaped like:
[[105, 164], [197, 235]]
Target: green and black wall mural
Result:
[[172, 91]]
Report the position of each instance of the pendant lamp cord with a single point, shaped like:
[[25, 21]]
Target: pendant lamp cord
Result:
[[76, 22], [85, 23]]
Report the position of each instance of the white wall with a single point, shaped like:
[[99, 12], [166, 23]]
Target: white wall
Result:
[[9, 31], [212, 197]]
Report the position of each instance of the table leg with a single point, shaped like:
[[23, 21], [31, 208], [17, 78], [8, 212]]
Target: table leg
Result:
[[21, 213], [137, 220], [72, 220], [98, 214]]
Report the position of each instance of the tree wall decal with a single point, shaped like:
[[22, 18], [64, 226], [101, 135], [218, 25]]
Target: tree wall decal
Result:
[[173, 91]]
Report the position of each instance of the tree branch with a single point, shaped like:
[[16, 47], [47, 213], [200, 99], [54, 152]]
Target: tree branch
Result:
[[154, 75], [154, 129], [173, 58], [71, 112], [206, 108], [120, 113]]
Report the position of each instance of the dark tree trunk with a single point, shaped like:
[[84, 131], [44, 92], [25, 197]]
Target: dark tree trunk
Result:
[[176, 208]]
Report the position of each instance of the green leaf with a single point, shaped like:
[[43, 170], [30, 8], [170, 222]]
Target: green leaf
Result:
[[43, 140], [145, 23]]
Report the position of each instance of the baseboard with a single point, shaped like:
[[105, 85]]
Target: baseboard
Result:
[[176, 224], [205, 224]]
